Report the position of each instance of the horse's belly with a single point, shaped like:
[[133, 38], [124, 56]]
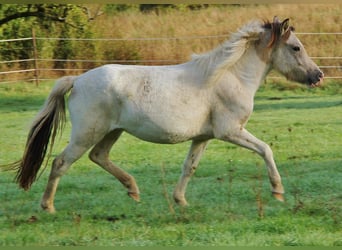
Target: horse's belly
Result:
[[162, 138], [152, 132], [164, 129]]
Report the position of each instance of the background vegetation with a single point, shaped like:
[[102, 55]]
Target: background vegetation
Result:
[[152, 21]]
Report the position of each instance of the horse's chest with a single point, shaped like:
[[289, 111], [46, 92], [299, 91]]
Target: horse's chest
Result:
[[233, 107], [235, 100]]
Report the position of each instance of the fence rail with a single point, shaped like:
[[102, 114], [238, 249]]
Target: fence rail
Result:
[[11, 71]]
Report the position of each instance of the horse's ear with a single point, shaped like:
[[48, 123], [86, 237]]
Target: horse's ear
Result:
[[285, 26], [280, 30], [285, 29]]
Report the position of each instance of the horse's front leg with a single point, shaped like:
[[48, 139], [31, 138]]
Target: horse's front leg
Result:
[[189, 167], [245, 139]]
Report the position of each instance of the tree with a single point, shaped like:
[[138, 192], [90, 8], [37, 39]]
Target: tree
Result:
[[57, 20], [44, 13]]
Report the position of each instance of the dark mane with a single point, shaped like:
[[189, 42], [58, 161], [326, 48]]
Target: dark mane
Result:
[[276, 29]]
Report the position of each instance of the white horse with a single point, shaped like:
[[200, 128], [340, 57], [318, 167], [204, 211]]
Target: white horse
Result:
[[210, 96]]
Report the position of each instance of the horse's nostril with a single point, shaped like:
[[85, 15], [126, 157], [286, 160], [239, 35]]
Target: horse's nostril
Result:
[[319, 74], [316, 77]]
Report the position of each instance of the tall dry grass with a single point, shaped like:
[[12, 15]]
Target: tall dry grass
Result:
[[216, 20]]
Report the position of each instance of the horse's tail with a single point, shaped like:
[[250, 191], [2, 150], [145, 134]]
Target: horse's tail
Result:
[[47, 123]]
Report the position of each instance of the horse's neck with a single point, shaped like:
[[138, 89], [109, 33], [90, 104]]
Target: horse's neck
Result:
[[246, 65], [250, 69]]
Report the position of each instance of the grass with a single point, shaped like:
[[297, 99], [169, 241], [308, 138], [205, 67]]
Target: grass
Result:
[[230, 202]]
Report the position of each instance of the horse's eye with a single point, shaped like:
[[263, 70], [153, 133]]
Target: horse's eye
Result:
[[296, 48]]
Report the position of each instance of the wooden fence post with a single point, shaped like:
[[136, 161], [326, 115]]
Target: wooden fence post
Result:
[[35, 55]]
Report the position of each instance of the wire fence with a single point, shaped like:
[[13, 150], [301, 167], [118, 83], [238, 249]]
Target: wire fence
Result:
[[36, 68]]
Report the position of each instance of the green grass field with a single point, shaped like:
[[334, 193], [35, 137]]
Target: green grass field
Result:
[[229, 195]]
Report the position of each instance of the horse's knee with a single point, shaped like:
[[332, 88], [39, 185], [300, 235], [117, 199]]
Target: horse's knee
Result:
[[58, 166], [267, 152], [96, 156], [58, 162]]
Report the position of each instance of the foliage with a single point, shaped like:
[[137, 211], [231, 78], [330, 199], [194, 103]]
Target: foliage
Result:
[[19, 50], [229, 197], [157, 8], [62, 20], [111, 9], [148, 8]]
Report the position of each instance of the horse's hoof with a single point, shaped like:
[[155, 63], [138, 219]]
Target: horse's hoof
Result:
[[278, 196], [134, 196]]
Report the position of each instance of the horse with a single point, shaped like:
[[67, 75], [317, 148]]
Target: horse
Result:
[[208, 97]]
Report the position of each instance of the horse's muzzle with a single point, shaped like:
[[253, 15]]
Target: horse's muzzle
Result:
[[316, 78]]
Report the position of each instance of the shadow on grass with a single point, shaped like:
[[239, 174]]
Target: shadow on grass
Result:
[[275, 103], [34, 103], [21, 104]]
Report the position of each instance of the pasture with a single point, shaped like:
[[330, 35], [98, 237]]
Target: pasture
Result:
[[229, 195]]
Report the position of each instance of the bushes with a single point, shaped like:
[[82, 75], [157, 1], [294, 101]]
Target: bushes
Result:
[[120, 50], [48, 20]]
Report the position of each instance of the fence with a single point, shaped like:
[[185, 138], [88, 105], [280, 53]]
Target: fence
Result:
[[38, 69]]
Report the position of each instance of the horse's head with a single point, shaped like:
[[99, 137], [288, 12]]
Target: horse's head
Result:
[[287, 54]]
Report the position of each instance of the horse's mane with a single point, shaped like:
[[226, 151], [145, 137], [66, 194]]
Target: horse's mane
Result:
[[213, 63]]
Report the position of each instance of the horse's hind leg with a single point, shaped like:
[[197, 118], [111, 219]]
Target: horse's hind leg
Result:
[[59, 166], [100, 155]]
